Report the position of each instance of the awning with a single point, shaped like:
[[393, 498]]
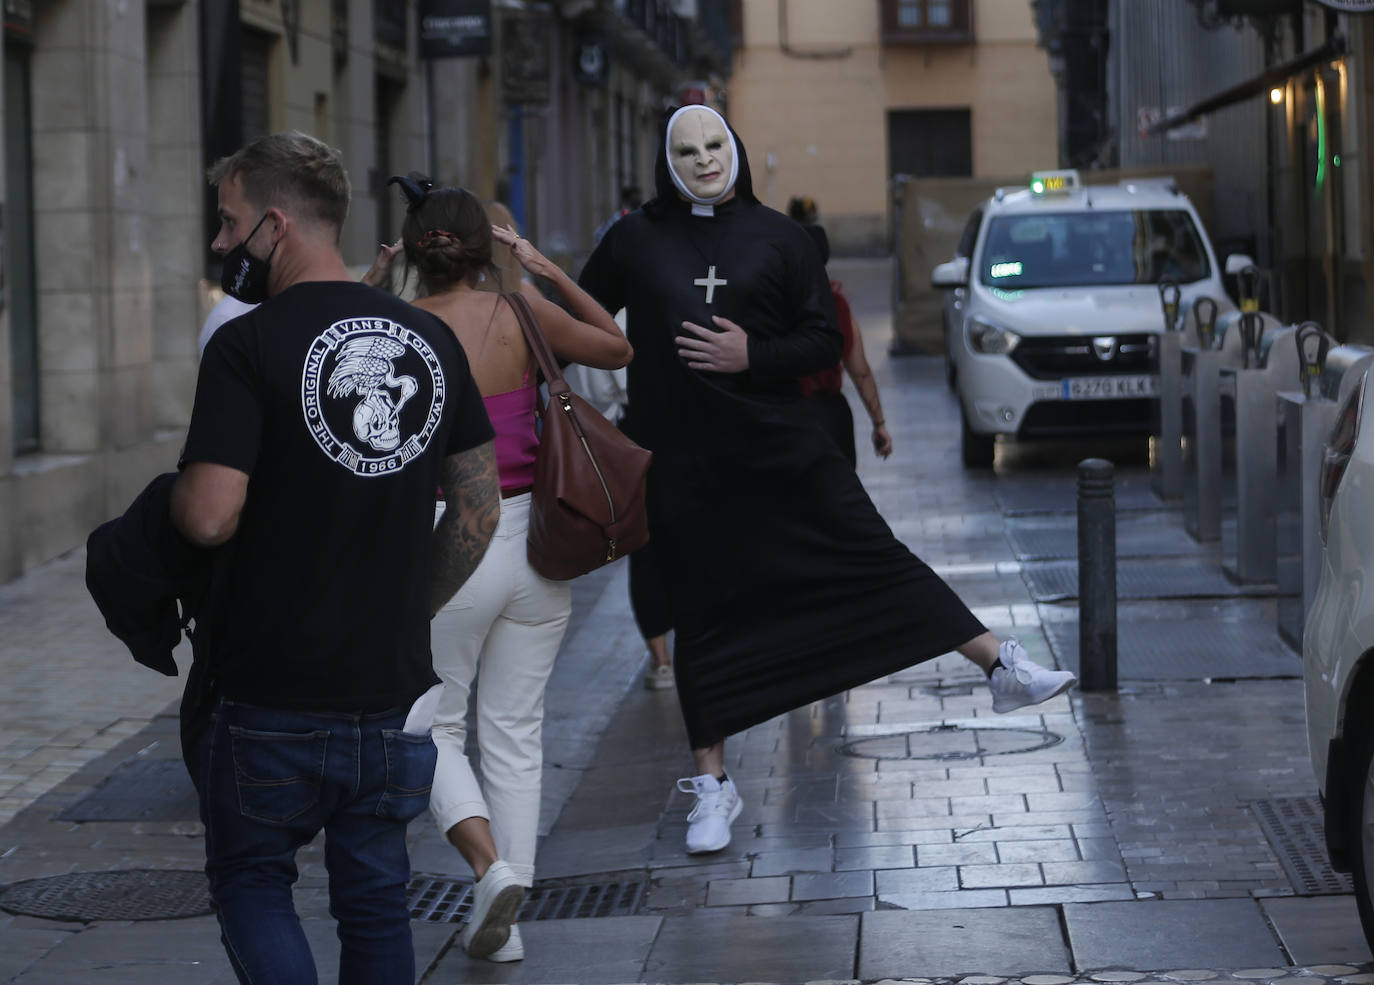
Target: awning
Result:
[[1334, 47]]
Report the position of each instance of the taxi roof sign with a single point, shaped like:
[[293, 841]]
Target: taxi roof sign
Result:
[[1053, 182]]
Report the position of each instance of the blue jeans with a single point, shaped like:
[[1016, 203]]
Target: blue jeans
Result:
[[269, 780]]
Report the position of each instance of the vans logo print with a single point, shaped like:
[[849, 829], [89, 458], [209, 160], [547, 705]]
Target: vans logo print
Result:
[[373, 394]]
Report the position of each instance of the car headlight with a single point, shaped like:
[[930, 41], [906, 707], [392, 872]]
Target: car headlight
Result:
[[990, 339]]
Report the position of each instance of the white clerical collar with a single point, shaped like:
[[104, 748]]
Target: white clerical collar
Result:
[[709, 211]]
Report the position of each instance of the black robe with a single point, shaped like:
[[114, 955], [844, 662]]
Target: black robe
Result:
[[785, 584]]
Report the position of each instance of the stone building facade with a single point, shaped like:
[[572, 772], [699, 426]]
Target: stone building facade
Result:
[[834, 100], [112, 109]]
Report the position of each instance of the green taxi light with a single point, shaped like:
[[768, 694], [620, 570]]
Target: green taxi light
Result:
[[1012, 269], [1038, 187]]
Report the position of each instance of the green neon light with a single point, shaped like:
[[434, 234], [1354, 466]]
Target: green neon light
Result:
[[1038, 187], [1012, 269], [1321, 138]]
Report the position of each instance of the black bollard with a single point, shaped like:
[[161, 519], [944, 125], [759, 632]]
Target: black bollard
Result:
[[1096, 576]]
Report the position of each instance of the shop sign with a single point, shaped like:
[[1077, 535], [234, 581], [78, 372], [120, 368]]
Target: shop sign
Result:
[[1350, 6], [526, 40], [455, 28], [590, 62]]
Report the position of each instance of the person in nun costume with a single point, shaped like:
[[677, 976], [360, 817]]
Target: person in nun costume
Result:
[[786, 585]]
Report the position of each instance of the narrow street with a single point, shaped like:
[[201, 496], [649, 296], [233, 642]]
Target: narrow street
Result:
[[1166, 832]]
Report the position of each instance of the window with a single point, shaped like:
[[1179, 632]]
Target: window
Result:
[[917, 21], [1078, 249]]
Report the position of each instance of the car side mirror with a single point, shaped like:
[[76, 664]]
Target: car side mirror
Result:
[[1237, 262], [951, 273]]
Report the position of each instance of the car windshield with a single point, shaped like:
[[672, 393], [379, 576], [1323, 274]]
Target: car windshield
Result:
[[1141, 246]]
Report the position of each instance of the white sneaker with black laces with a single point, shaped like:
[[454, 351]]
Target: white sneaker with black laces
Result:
[[1020, 681], [717, 806]]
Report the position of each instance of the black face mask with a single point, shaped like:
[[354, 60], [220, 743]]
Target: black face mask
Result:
[[245, 276]]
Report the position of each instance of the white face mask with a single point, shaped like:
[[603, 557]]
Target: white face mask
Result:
[[701, 155]]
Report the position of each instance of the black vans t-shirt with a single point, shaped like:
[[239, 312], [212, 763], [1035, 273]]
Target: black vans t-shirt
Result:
[[340, 401]]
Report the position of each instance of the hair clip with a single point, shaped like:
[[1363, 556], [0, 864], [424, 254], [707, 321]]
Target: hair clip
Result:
[[415, 190]]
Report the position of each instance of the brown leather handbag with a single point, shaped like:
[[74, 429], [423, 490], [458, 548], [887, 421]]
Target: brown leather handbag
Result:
[[587, 506]]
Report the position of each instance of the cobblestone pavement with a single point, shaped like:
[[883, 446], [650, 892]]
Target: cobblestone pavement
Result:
[[898, 830]]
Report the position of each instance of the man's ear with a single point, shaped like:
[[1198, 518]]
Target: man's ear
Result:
[[280, 221]]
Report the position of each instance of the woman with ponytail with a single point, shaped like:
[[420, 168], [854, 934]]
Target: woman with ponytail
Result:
[[504, 627]]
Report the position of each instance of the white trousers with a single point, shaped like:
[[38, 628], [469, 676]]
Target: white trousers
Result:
[[502, 629]]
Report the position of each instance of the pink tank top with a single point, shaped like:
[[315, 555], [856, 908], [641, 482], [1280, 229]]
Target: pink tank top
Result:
[[512, 418]]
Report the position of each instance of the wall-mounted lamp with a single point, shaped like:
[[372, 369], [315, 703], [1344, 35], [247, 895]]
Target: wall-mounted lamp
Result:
[[1276, 95]]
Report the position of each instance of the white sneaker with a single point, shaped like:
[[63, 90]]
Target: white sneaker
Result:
[[717, 806], [1020, 681], [659, 678], [512, 950], [496, 900]]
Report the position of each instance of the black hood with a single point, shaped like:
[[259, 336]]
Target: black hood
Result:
[[666, 198]]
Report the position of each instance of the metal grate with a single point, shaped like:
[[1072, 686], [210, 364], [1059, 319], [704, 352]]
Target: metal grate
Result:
[[450, 901], [951, 742], [1192, 649], [133, 894], [140, 790], [1295, 831]]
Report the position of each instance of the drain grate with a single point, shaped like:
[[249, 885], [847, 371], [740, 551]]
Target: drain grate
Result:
[[947, 742], [132, 894], [449, 900], [1295, 831], [140, 790]]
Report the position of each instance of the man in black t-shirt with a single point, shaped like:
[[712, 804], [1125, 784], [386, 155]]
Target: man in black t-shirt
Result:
[[324, 420]]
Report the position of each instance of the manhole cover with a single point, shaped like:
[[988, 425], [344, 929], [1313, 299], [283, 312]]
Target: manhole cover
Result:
[[130, 894], [1295, 831], [944, 742], [450, 901]]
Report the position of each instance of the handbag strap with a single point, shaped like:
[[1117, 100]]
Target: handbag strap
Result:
[[539, 345]]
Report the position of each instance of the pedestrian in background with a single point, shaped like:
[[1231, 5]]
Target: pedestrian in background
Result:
[[503, 629], [785, 584], [323, 421], [825, 388]]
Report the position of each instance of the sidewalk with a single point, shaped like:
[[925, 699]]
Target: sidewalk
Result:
[[901, 830]]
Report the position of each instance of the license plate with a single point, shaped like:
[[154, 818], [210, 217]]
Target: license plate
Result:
[[1109, 387]]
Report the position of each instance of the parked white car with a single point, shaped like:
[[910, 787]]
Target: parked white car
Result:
[[1053, 304], [1338, 640]]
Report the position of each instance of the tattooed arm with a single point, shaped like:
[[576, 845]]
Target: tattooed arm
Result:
[[471, 494]]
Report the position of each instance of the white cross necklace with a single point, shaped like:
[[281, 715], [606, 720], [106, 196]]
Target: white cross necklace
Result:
[[710, 282]]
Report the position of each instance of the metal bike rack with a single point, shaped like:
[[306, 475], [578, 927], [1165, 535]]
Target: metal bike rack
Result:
[[1305, 416], [1200, 365], [1269, 364], [1168, 458]]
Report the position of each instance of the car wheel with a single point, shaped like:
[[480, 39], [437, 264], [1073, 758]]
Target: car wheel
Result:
[[1361, 801], [977, 448]]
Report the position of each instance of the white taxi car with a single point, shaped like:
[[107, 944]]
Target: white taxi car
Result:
[[1338, 644], [1053, 302]]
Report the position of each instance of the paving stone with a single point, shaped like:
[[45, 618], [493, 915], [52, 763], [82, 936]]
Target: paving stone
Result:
[[737, 892], [1042, 895], [795, 949], [1045, 980], [988, 876], [1118, 976], [783, 863], [1197, 975], [832, 885], [1318, 929], [604, 951], [958, 899], [957, 854], [961, 942], [1068, 873], [942, 879], [1062, 850], [1165, 934], [875, 857]]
